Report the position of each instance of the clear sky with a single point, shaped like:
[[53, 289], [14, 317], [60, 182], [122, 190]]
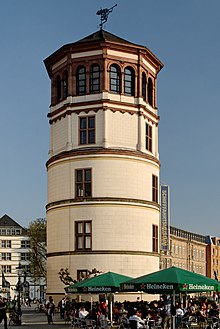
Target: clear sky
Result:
[[183, 34]]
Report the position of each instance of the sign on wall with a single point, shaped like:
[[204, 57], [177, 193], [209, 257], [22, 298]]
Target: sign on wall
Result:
[[165, 217]]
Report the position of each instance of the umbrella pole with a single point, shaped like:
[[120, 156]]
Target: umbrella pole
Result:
[[173, 316]]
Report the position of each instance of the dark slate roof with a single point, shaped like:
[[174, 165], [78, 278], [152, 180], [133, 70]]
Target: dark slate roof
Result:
[[6, 221], [103, 35]]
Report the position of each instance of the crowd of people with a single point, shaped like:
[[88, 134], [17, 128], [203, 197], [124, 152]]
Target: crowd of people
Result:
[[143, 314]]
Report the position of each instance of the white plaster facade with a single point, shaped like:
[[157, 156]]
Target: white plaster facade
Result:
[[121, 207]]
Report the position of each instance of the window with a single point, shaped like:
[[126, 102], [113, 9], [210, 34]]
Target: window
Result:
[[6, 268], [87, 130], [82, 274], [154, 188], [58, 89], [150, 91], [65, 84], [81, 81], [6, 243], [25, 256], [6, 256], [155, 238], [83, 234], [25, 268], [148, 137], [25, 244], [94, 79], [83, 183], [129, 82], [115, 79], [144, 85]]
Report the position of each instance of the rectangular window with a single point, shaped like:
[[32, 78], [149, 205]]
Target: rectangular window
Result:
[[83, 183], [25, 244], [87, 130], [83, 235], [6, 268], [6, 256], [148, 137], [154, 188], [155, 238], [25, 256], [6, 243]]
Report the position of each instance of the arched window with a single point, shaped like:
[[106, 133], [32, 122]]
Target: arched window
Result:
[[150, 91], [65, 84], [129, 81], [58, 89], [144, 86], [115, 79], [95, 79], [81, 81]]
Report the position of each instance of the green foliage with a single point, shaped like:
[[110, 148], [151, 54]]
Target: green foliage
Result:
[[37, 236]]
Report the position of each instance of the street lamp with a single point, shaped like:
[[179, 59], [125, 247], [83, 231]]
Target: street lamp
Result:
[[19, 286]]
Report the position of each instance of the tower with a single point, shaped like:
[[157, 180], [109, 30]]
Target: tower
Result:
[[103, 166]]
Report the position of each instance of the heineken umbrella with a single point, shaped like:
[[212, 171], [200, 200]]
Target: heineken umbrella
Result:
[[169, 280], [104, 283]]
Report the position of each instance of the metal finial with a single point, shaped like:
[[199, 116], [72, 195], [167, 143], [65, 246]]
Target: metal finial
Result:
[[104, 14]]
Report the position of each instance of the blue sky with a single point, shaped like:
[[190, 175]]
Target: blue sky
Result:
[[183, 34]]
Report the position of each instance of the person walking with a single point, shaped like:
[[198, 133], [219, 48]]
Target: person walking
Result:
[[3, 316], [50, 307]]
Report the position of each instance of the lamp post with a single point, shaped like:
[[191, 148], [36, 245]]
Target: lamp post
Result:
[[19, 270]]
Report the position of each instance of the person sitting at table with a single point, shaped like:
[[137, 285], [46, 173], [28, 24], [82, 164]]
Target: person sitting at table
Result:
[[83, 313], [136, 321]]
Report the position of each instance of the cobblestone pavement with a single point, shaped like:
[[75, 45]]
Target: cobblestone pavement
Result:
[[33, 320]]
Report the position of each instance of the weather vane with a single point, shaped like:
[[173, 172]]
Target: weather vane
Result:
[[104, 15]]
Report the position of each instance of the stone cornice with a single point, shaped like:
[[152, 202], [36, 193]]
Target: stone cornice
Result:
[[69, 108], [102, 151], [102, 200], [103, 252]]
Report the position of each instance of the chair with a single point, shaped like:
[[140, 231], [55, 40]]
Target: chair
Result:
[[90, 324], [104, 324]]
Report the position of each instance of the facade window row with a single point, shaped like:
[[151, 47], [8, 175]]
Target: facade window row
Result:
[[89, 82], [10, 231], [83, 237], [83, 184], [25, 244]]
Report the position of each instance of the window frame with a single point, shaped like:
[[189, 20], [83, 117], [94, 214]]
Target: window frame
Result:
[[148, 137], [150, 91], [83, 236], [81, 88], [94, 80], [144, 86], [82, 185], [115, 79], [6, 244], [155, 238], [85, 132], [155, 188], [129, 81]]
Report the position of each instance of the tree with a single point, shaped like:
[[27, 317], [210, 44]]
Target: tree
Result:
[[37, 236], [65, 277]]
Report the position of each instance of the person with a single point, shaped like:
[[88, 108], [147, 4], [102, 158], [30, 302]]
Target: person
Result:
[[83, 313], [179, 314], [3, 305], [137, 317], [61, 305], [166, 312], [50, 307]]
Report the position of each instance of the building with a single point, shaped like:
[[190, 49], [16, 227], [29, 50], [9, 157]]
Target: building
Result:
[[103, 167], [213, 257], [14, 252], [187, 251]]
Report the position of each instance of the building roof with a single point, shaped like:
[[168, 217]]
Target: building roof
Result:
[[6, 221], [103, 35]]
